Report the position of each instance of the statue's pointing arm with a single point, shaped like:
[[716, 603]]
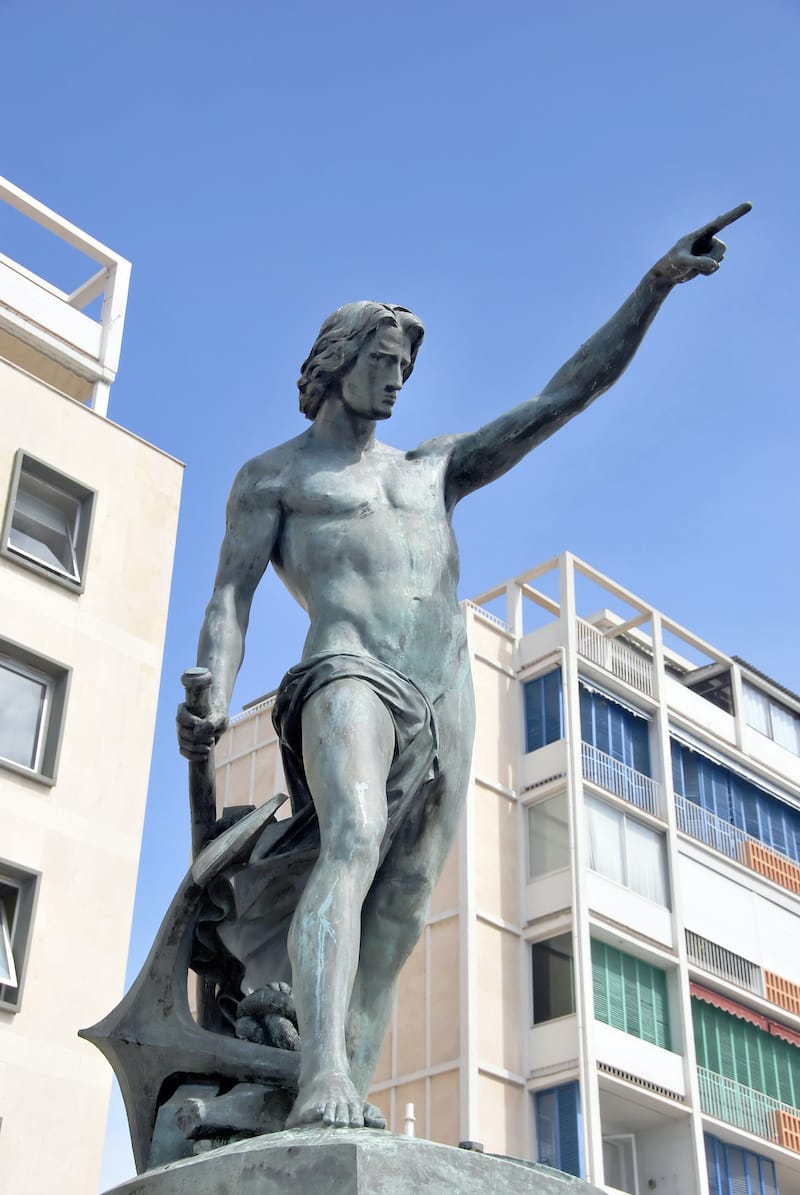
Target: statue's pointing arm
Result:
[[480, 457], [253, 521]]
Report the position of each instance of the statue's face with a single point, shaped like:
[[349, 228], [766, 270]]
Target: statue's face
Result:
[[371, 385]]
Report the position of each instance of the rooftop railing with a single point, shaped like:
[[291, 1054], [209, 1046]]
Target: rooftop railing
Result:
[[615, 657], [53, 322]]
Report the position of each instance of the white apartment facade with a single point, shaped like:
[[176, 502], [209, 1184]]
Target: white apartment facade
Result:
[[88, 522], [609, 981]]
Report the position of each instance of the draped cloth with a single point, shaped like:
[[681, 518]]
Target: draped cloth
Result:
[[246, 913]]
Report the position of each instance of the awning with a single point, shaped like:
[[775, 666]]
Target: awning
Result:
[[745, 1014], [726, 1005]]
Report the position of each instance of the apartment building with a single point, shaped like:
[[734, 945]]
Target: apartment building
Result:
[[609, 981], [88, 521]]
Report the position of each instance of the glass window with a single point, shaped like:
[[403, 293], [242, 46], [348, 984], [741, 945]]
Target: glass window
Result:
[[32, 697], [548, 838], [17, 896], [771, 718], [47, 522], [628, 852], [553, 988], [23, 698], [544, 719]]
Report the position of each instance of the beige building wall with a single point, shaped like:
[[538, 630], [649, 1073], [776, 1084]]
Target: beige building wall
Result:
[[72, 826]]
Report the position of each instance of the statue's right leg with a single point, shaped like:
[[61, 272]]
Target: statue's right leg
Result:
[[348, 744]]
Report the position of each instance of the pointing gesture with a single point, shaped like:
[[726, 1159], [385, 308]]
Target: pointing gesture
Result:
[[700, 252]]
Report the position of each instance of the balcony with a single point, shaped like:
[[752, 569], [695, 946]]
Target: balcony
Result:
[[45, 330], [618, 778], [729, 840], [750, 1110], [615, 657]]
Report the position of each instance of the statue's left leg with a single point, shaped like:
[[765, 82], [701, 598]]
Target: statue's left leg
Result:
[[396, 908]]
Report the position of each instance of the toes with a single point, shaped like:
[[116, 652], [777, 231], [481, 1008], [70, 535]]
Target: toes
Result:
[[356, 1116], [328, 1112], [373, 1117]]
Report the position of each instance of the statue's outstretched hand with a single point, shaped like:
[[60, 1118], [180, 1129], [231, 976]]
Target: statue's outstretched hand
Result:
[[698, 253]]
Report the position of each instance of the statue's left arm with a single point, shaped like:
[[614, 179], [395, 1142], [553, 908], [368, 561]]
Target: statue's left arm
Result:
[[480, 457]]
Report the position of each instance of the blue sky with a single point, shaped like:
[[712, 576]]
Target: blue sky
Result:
[[507, 171]]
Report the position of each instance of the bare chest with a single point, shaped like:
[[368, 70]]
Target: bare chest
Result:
[[329, 488]]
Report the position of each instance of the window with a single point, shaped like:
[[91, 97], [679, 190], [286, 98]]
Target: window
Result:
[[736, 1171], [32, 699], [17, 898], [771, 718], [47, 521], [558, 1128], [630, 995], [544, 718], [553, 987], [615, 729], [736, 800], [548, 840], [628, 852], [745, 1053]]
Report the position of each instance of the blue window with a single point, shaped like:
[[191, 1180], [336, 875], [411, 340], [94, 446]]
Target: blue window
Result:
[[735, 1171], [558, 1128], [544, 718], [736, 800], [617, 731]]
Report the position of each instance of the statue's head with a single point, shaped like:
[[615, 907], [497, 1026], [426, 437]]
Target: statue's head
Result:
[[341, 338]]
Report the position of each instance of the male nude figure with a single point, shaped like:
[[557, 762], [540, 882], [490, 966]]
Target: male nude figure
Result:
[[361, 535]]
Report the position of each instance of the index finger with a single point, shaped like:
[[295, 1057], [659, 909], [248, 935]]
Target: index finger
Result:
[[715, 226]]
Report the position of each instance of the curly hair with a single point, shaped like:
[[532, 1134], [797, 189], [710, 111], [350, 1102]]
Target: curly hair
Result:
[[340, 340]]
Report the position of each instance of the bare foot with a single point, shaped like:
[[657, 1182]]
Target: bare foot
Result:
[[332, 1099]]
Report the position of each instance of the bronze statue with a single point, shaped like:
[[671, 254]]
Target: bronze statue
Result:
[[361, 535], [376, 727]]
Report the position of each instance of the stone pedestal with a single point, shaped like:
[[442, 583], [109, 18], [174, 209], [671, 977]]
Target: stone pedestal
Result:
[[325, 1161]]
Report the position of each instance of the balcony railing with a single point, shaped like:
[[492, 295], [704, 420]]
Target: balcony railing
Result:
[[724, 963], [640, 790], [708, 828], [615, 657], [727, 1100], [731, 841]]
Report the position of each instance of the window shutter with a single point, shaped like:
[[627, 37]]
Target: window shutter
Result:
[[569, 1137], [543, 710]]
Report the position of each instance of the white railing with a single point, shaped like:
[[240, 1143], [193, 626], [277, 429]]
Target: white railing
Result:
[[606, 772], [252, 710], [727, 1100], [487, 614], [615, 657], [724, 963], [35, 312], [712, 830]]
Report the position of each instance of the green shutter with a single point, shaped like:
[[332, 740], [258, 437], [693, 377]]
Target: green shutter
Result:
[[741, 1051], [630, 995]]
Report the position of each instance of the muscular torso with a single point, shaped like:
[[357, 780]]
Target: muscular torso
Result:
[[365, 544]]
